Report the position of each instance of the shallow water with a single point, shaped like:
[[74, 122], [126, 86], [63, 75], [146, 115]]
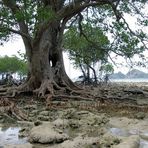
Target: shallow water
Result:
[[143, 144], [130, 80], [9, 135], [125, 133], [119, 132]]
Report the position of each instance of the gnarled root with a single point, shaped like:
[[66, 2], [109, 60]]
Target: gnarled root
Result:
[[11, 92], [46, 86], [8, 92], [7, 107]]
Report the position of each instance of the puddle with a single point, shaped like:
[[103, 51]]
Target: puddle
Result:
[[125, 133], [9, 135], [143, 144], [119, 132]]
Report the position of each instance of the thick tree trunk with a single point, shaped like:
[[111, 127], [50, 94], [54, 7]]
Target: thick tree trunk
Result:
[[46, 65]]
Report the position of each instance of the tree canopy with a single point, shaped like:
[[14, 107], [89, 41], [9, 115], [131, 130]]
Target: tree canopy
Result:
[[25, 17], [86, 53], [42, 25], [12, 65], [83, 51]]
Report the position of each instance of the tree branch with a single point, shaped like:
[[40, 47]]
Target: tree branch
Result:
[[23, 27], [78, 6], [20, 33], [70, 10]]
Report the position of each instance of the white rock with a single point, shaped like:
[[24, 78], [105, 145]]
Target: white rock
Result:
[[46, 134], [27, 145], [129, 142]]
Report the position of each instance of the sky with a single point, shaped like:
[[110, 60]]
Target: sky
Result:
[[12, 47], [16, 44]]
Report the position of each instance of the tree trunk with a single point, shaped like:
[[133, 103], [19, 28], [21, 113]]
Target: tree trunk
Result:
[[94, 73], [46, 65]]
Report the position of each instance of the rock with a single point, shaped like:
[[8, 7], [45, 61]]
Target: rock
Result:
[[1, 120], [80, 142], [1, 117], [35, 112], [24, 132], [27, 145], [74, 123], [144, 136], [44, 113], [30, 107], [108, 140], [25, 123], [43, 118], [31, 119], [60, 123], [83, 112], [37, 123], [46, 134], [140, 115], [31, 115], [129, 142], [92, 119], [69, 113]]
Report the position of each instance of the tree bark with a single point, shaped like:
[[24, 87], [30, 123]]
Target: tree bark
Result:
[[94, 73], [46, 65]]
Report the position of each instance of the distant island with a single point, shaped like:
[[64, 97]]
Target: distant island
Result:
[[133, 74]]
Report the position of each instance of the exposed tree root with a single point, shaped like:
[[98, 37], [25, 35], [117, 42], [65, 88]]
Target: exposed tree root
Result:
[[11, 92], [9, 107], [55, 97], [3, 89], [49, 90], [46, 86]]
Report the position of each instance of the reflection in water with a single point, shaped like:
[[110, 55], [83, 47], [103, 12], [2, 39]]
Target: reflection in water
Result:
[[125, 133], [10, 136], [143, 144], [119, 132]]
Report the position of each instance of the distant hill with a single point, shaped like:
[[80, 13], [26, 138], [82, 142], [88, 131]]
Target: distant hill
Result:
[[133, 74], [136, 74], [118, 75]]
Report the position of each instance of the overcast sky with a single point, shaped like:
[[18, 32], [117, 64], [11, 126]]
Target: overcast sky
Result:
[[15, 44]]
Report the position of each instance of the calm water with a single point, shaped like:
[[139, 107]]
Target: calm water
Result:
[[125, 133], [129, 80], [9, 135]]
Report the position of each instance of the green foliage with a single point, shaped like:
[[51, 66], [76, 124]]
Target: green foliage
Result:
[[99, 21], [32, 13], [46, 14], [107, 68], [86, 50], [13, 65]]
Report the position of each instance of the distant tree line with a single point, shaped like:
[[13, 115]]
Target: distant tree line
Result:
[[12, 65]]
